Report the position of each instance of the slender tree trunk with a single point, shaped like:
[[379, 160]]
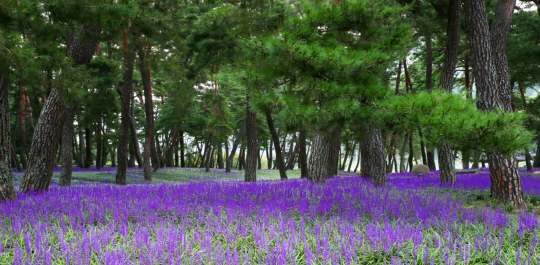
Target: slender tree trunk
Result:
[[269, 155], [209, 152], [398, 78], [88, 156], [536, 162], [126, 120], [259, 159], [149, 148], [22, 124], [7, 187], [373, 160], [182, 150], [220, 157], [352, 157], [344, 162], [335, 148], [358, 158], [422, 147], [290, 159], [67, 148], [229, 160], [411, 150], [319, 159], [490, 68], [302, 157], [252, 144], [82, 154], [242, 160], [99, 147], [275, 138], [402, 167], [392, 155]]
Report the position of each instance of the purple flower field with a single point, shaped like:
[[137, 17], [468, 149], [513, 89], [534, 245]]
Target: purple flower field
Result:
[[345, 221]]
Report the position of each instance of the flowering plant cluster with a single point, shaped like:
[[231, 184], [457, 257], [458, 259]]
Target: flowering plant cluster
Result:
[[345, 221]]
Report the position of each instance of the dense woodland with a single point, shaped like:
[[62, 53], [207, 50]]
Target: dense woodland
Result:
[[369, 86]]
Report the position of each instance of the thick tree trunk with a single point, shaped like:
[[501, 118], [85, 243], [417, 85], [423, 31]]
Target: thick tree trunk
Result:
[[465, 157], [302, 157], [220, 157], [335, 148], [126, 120], [42, 158], [373, 160], [490, 68], [47, 131], [453, 30], [320, 158], [67, 148], [22, 124], [7, 188], [275, 138], [229, 160], [447, 165], [252, 145]]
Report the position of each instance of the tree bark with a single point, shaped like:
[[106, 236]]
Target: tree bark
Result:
[[81, 157], [99, 145], [81, 48], [220, 163], [319, 159], [67, 148], [229, 160], [490, 69], [275, 138], [88, 155], [149, 111], [42, 158], [209, 151], [302, 157], [7, 187], [344, 162], [290, 155], [269, 155], [453, 30], [447, 167], [182, 150], [252, 145], [352, 156], [392, 156], [422, 147], [411, 150], [373, 160], [402, 167], [22, 124], [335, 148], [398, 78]]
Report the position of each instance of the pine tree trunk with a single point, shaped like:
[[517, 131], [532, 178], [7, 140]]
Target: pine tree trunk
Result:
[[88, 155], [42, 158], [335, 147], [319, 159], [7, 187], [67, 148], [22, 125], [241, 159], [208, 154], [411, 150], [422, 147], [490, 69], [269, 155], [125, 109], [275, 138], [347, 150], [220, 157], [447, 167], [229, 160], [99, 147], [402, 167], [398, 78], [352, 156], [82, 154], [149, 111], [373, 160], [392, 155], [465, 157], [302, 157], [536, 162], [252, 145], [358, 159], [290, 155], [182, 150]]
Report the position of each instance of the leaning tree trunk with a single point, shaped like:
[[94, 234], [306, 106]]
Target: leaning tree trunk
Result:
[[319, 159], [42, 158], [252, 145], [47, 131], [125, 122], [7, 188], [302, 157], [275, 138], [373, 160], [67, 148], [446, 152], [490, 69]]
